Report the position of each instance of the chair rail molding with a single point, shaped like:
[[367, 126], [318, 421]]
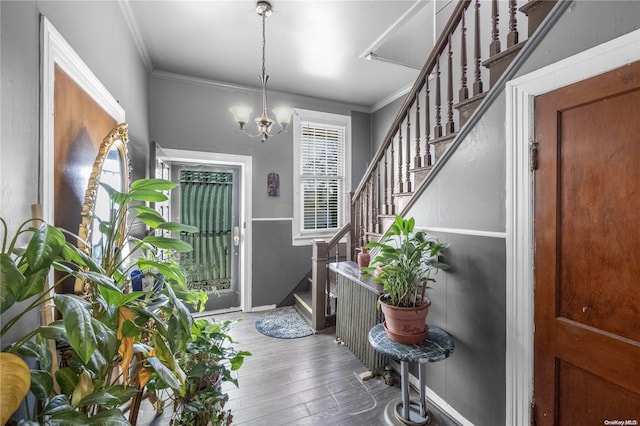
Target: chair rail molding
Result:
[[520, 93]]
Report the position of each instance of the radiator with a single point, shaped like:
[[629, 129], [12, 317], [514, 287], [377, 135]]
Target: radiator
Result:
[[355, 315]]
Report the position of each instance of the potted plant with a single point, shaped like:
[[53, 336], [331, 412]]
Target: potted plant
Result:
[[404, 263], [208, 362], [118, 340]]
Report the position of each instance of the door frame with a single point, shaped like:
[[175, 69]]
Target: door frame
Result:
[[520, 93], [245, 163]]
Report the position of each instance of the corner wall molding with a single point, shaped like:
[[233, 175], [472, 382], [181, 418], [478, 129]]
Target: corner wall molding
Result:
[[134, 28]]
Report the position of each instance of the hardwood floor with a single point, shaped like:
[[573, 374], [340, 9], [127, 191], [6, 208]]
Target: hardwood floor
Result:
[[306, 381]]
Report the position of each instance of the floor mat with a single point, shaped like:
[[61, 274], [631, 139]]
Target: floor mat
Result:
[[283, 323]]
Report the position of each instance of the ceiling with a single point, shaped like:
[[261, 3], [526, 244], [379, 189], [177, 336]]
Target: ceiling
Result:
[[314, 47]]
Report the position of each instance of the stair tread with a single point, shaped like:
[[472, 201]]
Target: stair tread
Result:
[[503, 54]]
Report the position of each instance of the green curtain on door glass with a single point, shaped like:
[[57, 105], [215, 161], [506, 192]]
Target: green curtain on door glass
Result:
[[206, 204]]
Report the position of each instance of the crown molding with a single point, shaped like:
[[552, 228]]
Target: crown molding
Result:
[[391, 98], [305, 100], [135, 33]]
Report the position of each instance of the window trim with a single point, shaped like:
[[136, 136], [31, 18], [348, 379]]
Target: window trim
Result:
[[299, 236]]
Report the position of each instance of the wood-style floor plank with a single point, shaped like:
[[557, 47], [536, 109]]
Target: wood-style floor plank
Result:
[[306, 381]]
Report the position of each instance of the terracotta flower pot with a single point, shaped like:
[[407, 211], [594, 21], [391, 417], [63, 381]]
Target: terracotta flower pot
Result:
[[406, 325]]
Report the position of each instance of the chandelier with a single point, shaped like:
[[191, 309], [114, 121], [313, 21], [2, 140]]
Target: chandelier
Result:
[[242, 113]]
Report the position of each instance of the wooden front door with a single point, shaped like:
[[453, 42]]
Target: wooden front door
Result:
[[587, 252]]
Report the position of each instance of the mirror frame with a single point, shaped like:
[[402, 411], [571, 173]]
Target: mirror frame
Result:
[[118, 138]]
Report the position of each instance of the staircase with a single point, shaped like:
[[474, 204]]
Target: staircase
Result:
[[475, 48]]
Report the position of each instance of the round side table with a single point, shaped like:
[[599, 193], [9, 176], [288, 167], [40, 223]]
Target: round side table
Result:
[[437, 346]]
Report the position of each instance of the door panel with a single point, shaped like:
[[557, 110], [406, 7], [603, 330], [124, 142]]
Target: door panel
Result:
[[587, 261], [206, 197], [208, 200]]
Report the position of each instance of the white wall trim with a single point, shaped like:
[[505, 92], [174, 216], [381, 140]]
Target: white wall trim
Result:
[[272, 219], [245, 163], [520, 94], [300, 237], [181, 78], [56, 51], [134, 29], [461, 231], [391, 98]]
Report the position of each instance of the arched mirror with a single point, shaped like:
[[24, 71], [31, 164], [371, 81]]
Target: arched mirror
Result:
[[112, 168]]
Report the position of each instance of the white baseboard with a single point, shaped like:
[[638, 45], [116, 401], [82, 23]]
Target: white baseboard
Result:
[[261, 308]]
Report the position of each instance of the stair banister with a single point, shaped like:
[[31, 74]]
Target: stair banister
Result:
[[438, 48]]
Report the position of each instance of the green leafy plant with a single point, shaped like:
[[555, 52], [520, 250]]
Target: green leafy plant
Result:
[[118, 340], [208, 361], [404, 263]]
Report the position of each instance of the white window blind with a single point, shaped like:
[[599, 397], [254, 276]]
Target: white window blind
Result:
[[321, 156], [322, 175]]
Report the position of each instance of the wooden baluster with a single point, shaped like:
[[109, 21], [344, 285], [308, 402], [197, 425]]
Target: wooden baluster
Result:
[[363, 225], [400, 176], [512, 37], [464, 92], [427, 126], [387, 193], [370, 206], [380, 196], [494, 47], [437, 130], [477, 83], [417, 160], [407, 165], [450, 124], [392, 181]]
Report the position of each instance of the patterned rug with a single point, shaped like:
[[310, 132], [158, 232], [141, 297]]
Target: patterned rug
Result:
[[283, 323]]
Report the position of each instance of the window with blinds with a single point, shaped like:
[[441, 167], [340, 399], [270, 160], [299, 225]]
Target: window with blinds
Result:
[[321, 148]]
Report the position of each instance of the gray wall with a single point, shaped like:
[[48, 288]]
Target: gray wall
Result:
[[99, 34], [193, 115], [467, 198]]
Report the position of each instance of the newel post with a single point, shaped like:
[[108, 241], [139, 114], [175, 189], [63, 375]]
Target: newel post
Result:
[[318, 284], [350, 216]]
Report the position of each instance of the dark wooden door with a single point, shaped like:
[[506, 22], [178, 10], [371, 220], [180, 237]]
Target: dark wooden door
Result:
[[587, 252]]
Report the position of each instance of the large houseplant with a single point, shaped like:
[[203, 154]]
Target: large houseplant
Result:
[[208, 361], [118, 339], [404, 264]]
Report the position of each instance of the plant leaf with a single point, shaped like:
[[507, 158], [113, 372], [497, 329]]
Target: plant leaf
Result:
[[77, 323], [151, 220], [58, 404], [34, 284], [45, 244], [68, 418], [178, 227], [41, 383], [147, 195], [54, 331], [11, 282], [100, 398], [83, 388], [168, 243], [67, 380], [164, 373], [112, 417], [153, 184]]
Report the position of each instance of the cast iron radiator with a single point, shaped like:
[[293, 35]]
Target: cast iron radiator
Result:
[[356, 314]]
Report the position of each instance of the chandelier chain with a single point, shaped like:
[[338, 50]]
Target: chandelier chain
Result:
[[264, 42]]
